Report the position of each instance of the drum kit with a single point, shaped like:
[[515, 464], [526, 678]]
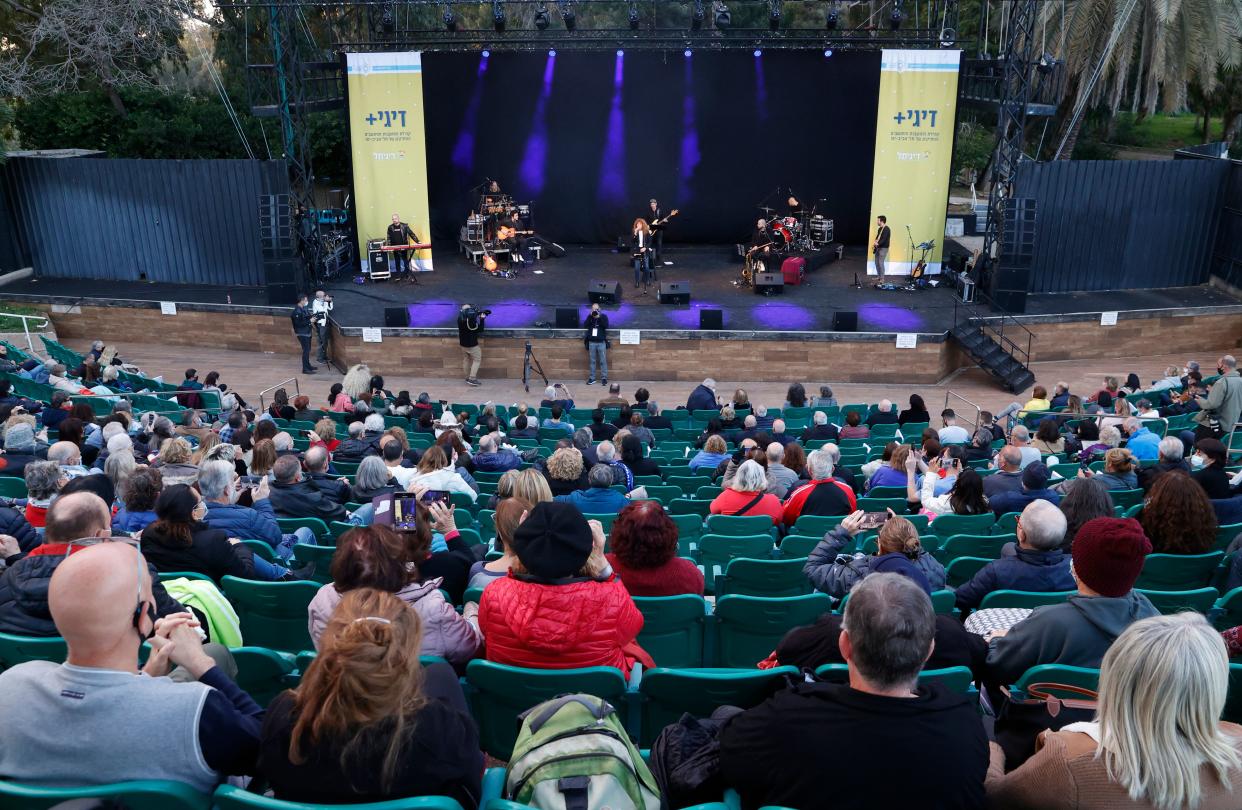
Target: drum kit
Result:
[[802, 231]]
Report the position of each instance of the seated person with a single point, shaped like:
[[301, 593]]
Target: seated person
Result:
[[952, 432], [510, 513], [599, 498], [824, 495], [773, 754], [1156, 740], [854, 429], [899, 550], [1108, 555], [883, 414], [713, 453], [558, 609], [373, 479], [747, 494], [820, 429], [1039, 565], [368, 723], [317, 461], [492, 457], [1118, 472], [195, 732], [1178, 517], [644, 553], [1034, 488], [141, 491]]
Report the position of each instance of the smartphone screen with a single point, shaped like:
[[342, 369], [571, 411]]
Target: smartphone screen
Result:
[[873, 520], [405, 512], [435, 495]]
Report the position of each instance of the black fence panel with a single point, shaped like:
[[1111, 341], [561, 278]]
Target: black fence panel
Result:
[[175, 221], [1122, 224]]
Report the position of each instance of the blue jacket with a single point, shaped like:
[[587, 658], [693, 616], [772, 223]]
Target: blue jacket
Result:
[[1144, 445], [125, 521], [500, 461], [244, 522], [596, 501], [1017, 501], [702, 398], [1029, 570]]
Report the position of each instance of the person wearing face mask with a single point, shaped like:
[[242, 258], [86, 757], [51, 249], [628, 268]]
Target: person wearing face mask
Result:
[[222, 489], [179, 541], [1222, 407], [1208, 469]]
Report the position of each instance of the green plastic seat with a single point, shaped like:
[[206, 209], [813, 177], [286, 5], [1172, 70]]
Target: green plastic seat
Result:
[[716, 550], [689, 506], [1199, 600], [887, 492], [262, 673], [260, 548], [673, 629], [1227, 610], [1006, 523], [1178, 572], [167, 575], [147, 794], [11, 487], [816, 524], [228, 797], [1224, 534], [664, 494], [1023, 599], [16, 650], [499, 693], [949, 525], [942, 602], [899, 505], [771, 578], [737, 526], [749, 627], [689, 484], [1082, 677], [668, 693], [316, 525], [272, 614], [960, 570], [973, 545], [321, 556], [1127, 497], [799, 546]]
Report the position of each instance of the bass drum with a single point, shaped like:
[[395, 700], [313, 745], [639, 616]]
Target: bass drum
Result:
[[781, 237]]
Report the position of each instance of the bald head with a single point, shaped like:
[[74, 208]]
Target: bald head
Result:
[[65, 454], [92, 596], [77, 515], [1011, 458]]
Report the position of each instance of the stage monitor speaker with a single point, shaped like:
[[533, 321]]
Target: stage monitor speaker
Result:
[[845, 321], [567, 318], [711, 319], [604, 292], [769, 284], [674, 292], [398, 317]]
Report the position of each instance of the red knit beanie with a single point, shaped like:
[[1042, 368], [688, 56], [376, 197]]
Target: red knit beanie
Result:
[[1109, 553]]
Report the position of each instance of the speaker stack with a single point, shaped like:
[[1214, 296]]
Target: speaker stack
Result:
[[398, 317], [711, 319], [845, 321], [769, 284], [675, 292], [604, 292], [567, 318]]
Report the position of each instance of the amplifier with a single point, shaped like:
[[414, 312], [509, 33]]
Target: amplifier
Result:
[[769, 284], [375, 244]]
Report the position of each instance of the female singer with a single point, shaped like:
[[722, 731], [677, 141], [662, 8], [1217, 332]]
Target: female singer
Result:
[[640, 251]]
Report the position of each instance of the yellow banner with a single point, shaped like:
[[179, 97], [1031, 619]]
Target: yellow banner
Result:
[[389, 150], [913, 153]]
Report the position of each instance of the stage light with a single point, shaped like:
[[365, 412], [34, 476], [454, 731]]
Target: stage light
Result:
[[388, 21], [758, 53], [620, 53], [633, 16], [686, 53], [774, 15], [568, 16], [1047, 63], [696, 19], [486, 54], [541, 17], [832, 17], [720, 15], [894, 19], [450, 21], [552, 52], [828, 53], [498, 15]]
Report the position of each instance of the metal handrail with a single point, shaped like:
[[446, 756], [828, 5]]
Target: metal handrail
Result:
[[1098, 417], [978, 410], [26, 326], [984, 323], [281, 384], [1229, 445]]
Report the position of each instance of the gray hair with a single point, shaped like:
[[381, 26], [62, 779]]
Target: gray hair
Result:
[[833, 451], [776, 452], [750, 421], [122, 405], [282, 441], [1010, 456], [19, 438], [286, 470], [62, 452], [120, 443], [355, 429], [42, 479], [750, 477], [1043, 525], [1171, 448], [778, 426], [1229, 361], [1132, 424], [1020, 435], [119, 467], [372, 473], [600, 476], [891, 624], [885, 406], [607, 451], [316, 458], [709, 383], [1163, 684], [214, 478], [1110, 436], [821, 463], [487, 444], [820, 418], [222, 452], [582, 438], [374, 423], [112, 429]]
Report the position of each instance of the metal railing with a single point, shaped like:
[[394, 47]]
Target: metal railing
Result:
[[281, 384], [1098, 417], [1233, 431], [988, 323], [978, 410], [26, 326]]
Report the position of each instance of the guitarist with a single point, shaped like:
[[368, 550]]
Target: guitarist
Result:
[[399, 233], [656, 221], [507, 234]]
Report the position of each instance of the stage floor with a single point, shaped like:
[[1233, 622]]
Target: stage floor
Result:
[[532, 298]]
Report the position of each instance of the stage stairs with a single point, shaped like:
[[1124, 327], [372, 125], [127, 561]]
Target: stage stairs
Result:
[[984, 339]]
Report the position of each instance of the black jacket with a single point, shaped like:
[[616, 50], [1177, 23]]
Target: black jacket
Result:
[[210, 553], [23, 596], [1148, 475], [331, 485], [453, 566], [595, 331], [365, 445], [469, 331], [357, 495], [301, 318], [601, 431], [888, 417], [303, 499], [13, 523], [774, 753], [827, 432], [1215, 482], [701, 398], [911, 415]]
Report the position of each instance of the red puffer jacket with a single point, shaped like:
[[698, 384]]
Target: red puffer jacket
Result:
[[582, 624]]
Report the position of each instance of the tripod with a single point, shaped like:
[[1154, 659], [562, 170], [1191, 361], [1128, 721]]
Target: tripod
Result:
[[531, 363]]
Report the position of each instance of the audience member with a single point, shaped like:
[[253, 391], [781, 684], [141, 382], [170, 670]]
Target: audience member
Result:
[[368, 723], [1208, 464], [882, 415], [373, 479], [1048, 437], [747, 494], [965, 497], [599, 498], [1177, 517], [1084, 499], [293, 496], [435, 471], [1020, 438], [1040, 565], [644, 553], [773, 754], [795, 396], [825, 398], [43, 480], [1156, 741], [565, 471], [1141, 442], [710, 457], [1118, 472], [898, 551], [1108, 555], [980, 448], [1034, 488], [916, 413], [221, 489], [824, 495], [781, 479], [142, 489], [854, 429], [19, 449], [335, 487], [510, 513], [632, 457], [452, 558], [894, 473], [1038, 402], [1009, 479], [952, 432], [821, 429]]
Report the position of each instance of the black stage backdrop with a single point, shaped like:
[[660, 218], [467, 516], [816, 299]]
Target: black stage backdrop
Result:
[[713, 134]]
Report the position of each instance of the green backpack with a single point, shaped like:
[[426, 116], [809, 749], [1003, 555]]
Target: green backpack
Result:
[[572, 753]]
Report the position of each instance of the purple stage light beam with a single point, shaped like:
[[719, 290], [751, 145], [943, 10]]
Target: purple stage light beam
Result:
[[612, 172], [689, 134], [761, 88], [534, 161], [463, 149]]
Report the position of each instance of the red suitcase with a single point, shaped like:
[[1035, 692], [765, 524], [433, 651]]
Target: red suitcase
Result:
[[794, 269]]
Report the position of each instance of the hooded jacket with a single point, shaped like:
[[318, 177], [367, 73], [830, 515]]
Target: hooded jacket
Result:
[[585, 623], [445, 632], [1076, 633], [1028, 570], [835, 574], [303, 499], [701, 398], [245, 522]]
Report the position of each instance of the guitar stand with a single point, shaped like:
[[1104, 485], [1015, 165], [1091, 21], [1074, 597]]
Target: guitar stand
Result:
[[857, 285]]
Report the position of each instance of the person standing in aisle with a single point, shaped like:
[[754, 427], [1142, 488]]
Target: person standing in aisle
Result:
[[320, 308], [302, 318], [596, 340]]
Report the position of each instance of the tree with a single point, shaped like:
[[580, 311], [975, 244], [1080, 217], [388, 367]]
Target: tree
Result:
[[6, 124]]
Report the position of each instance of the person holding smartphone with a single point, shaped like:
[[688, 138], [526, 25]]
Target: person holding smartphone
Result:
[[899, 551]]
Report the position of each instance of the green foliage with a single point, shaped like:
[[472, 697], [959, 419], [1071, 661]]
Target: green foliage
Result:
[[972, 147], [1091, 148], [1161, 131], [15, 324], [6, 129]]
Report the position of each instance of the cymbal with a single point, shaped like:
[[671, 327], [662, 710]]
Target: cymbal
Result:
[[765, 208]]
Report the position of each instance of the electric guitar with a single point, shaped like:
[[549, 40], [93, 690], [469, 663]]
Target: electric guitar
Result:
[[656, 223]]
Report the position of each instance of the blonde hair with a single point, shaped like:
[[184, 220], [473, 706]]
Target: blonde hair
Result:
[[1118, 459], [640, 224], [357, 382], [566, 464], [325, 429], [175, 451], [204, 447], [530, 485], [715, 444], [899, 534], [898, 460], [1162, 689]]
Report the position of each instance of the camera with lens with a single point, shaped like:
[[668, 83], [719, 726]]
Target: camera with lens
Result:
[[473, 314]]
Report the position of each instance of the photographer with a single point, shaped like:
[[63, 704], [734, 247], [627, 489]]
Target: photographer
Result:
[[301, 318], [320, 308], [470, 322], [596, 341]]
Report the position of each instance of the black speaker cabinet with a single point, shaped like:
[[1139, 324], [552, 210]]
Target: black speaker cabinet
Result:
[[769, 284], [604, 292], [398, 317], [567, 318], [846, 321], [711, 319], [674, 292], [377, 260]]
